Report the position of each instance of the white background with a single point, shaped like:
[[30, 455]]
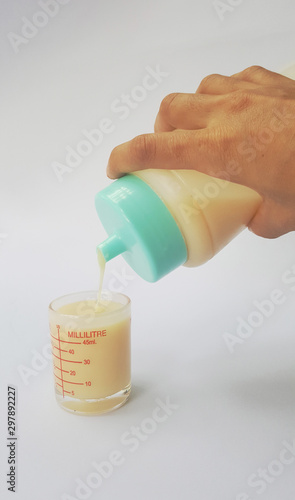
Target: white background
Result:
[[235, 410]]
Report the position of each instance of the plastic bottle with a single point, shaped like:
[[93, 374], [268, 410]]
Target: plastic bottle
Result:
[[161, 219]]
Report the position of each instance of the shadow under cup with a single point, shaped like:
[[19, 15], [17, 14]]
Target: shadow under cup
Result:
[[91, 351]]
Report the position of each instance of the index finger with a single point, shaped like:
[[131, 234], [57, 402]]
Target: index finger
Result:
[[201, 150]]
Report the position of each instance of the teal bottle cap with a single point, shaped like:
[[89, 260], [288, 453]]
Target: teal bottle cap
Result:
[[140, 227]]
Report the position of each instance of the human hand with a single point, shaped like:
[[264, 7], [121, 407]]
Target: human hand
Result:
[[241, 128]]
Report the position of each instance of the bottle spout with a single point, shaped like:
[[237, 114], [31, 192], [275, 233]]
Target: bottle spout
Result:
[[111, 247]]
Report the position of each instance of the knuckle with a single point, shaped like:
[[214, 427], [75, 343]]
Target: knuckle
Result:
[[222, 142], [253, 70], [143, 148], [240, 100], [178, 146], [167, 103], [207, 82]]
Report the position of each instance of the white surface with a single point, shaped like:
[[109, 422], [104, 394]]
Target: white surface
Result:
[[235, 411]]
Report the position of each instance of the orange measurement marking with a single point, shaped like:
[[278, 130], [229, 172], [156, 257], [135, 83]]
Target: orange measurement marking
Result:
[[58, 368], [68, 382], [68, 360], [62, 350], [66, 341], [58, 327]]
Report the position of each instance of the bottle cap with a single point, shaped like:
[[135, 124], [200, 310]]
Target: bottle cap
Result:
[[140, 227]]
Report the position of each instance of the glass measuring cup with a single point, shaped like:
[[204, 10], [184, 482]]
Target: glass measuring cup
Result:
[[91, 351]]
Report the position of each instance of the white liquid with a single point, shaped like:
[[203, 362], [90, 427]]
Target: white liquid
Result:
[[94, 361], [100, 306], [209, 211]]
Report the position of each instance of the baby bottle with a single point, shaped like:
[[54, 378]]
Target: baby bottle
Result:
[[161, 219]]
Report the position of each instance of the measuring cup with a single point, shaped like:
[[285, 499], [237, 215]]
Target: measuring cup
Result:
[[91, 351]]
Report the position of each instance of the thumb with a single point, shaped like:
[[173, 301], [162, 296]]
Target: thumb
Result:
[[272, 220]]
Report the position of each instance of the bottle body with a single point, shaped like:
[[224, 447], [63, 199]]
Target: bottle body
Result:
[[162, 219], [209, 212]]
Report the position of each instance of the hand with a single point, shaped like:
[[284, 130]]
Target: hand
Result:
[[241, 128]]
